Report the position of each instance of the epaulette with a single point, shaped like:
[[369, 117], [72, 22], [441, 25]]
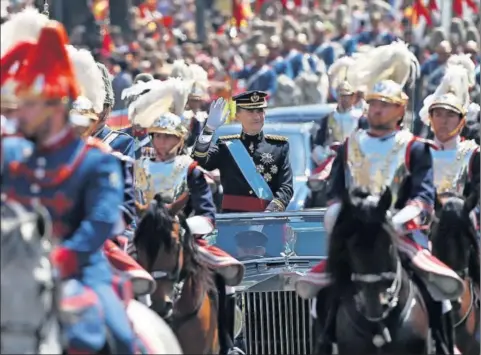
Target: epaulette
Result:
[[230, 137], [275, 137]]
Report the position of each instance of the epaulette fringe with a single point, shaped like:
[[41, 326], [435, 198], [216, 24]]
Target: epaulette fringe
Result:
[[275, 137], [232, 136]]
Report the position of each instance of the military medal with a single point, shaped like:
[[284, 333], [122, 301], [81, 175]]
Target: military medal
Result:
[[251, 147], [274, 169], [268, 177], [266, 158], [259, 168]]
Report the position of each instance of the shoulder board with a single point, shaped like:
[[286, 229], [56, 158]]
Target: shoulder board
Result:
[[274, 137], [228, 138], [428, 142], [122, 157], [93, 142]]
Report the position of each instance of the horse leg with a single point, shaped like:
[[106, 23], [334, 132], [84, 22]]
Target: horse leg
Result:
[[325, 322]]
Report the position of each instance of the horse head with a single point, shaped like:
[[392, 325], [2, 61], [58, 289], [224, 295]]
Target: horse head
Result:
[[362, 256], [166, 249], [453, 234], [28, 285]]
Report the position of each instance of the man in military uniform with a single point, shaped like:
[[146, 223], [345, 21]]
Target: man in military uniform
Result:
[[181, 183], [118, 140], [80, 185], [254, 167], [251, 244], [358, 164], [455, 161]]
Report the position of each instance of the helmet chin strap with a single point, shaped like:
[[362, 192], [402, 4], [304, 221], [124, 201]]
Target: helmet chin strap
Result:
[[91, 130], [456, 131]]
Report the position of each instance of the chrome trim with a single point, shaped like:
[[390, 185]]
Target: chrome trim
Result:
[[249, 217], [277, 322]]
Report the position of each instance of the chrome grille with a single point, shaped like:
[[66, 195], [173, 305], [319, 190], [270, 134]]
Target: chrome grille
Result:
[[276, 322]]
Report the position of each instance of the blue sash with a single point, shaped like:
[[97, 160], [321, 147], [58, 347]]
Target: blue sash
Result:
[[246, 165]]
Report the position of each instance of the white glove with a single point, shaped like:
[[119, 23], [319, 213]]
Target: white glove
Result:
[[217, 114]]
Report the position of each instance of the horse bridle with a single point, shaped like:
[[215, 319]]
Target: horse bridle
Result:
[[175, 274], [392, 292]]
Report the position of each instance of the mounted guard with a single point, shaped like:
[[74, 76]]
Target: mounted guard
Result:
[[384, 155], [80, 185], [86, 109], [179, 180]]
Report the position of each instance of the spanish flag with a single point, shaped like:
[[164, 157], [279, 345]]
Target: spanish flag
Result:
[[416, 11], [241, 12]]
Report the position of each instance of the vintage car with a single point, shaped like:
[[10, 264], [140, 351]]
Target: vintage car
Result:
[[300, 114], [275, 248], [299, 136]]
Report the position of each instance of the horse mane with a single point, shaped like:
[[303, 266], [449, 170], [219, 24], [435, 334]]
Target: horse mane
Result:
[[361, 214], [155, 229], [447, 225]]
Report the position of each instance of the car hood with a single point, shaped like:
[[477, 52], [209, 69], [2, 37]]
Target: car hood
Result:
[[274, 274]]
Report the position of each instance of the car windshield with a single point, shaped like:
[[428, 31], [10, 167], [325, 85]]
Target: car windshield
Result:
[[250, 236]]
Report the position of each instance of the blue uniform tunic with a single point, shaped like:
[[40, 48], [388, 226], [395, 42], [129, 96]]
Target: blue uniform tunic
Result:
[[81, 187], [118, 140]]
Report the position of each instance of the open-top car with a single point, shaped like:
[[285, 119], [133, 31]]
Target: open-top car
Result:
[[275, 248]]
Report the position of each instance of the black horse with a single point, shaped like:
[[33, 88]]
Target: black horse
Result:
[[373, 305], [454, 242]]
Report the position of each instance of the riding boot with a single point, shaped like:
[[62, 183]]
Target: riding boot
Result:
[[325, 323], [230, 320], [448, 326]]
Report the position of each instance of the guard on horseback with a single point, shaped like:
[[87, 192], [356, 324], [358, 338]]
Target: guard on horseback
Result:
[[384, 155], [79, 184], [85, 112], [455, 160], [178, 179]]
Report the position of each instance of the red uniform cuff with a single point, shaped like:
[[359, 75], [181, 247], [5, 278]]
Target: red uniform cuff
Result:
[[66, 261]]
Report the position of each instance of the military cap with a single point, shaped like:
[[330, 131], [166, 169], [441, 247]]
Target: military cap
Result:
[[388, 91], [251, 239], [251, 100], [448, 102]]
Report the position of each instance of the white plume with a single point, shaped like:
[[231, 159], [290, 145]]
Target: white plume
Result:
[[465, 61], [473, 111], [138, 89], [338, 70], [180, 69], [153, 104], [88, 76], [181, 95], [390, 62], [23, 26], [455, 81]]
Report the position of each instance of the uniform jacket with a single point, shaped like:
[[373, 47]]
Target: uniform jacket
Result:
[[118, 140], [348, 42], [141, 140], [418, 186], [375, 39], [200, 201], [282, 66], [277, 173], [79, 184]]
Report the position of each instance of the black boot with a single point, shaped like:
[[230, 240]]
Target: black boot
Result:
[[325, 323], [448, 325]]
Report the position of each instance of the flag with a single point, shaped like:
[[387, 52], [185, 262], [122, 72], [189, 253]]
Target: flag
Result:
[[433, 5], [119, 119], [418, 10]]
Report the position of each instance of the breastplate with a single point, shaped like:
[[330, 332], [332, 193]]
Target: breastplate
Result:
[[374, 163], [451, 167], [169, 179], [341, 125]]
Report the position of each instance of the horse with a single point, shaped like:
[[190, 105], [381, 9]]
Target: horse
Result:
[[185, 294], [377, 307], [454, 242], [30, 312]]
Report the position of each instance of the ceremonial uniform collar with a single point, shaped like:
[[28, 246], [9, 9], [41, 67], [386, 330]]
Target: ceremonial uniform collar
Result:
[[59, 141], [252, 137], [449, 145]]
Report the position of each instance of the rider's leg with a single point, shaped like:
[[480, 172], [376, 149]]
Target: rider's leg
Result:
[[116, 319]]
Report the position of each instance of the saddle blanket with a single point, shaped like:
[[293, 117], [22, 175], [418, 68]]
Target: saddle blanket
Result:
[[227, 266], [441, 282]]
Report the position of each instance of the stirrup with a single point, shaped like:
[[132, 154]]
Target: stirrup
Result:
[[235, 351]]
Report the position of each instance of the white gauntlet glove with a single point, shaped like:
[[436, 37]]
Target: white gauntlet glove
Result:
[[217, 114]]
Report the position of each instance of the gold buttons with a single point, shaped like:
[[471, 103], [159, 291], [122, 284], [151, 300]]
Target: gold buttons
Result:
[[251, 192]]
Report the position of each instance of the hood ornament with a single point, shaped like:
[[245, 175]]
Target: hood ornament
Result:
[[289, 247]]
